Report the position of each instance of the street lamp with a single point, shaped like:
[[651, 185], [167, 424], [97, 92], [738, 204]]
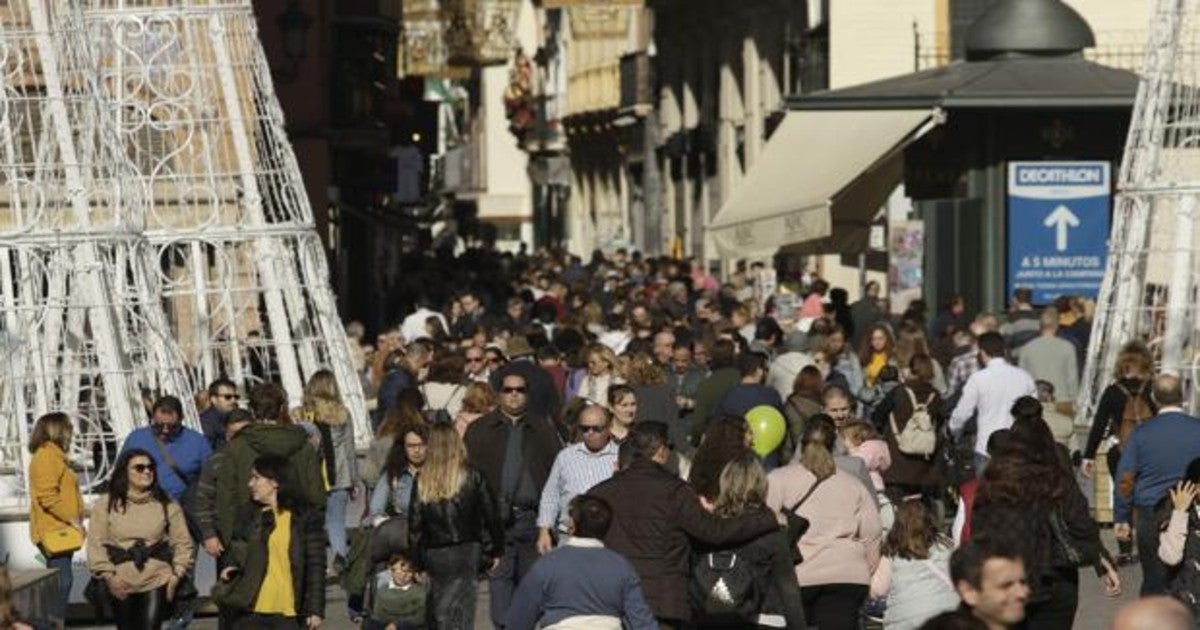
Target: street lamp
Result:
[[294, 25]]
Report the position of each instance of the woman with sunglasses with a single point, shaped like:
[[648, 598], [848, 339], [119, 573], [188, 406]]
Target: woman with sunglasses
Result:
[[139, 544], [274, 567]]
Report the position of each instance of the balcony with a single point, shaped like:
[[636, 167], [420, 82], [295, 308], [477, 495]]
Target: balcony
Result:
[[1124, 49], [637, 84]]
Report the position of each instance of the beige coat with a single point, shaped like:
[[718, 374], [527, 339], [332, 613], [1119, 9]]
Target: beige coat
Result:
[[141, 519]]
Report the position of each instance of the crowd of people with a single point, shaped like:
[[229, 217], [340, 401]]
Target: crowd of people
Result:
[[631, 443]]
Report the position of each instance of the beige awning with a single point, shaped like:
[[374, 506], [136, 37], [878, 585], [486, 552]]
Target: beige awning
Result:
[[789, 193]]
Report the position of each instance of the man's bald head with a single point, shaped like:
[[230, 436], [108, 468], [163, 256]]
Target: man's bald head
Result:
[[595, 414], [1153, 613]]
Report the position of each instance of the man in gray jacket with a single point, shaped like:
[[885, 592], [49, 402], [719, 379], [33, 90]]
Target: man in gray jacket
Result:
[[1051, 358]]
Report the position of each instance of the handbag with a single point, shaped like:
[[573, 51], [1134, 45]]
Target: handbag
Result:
[[797, 525], [63, 540]]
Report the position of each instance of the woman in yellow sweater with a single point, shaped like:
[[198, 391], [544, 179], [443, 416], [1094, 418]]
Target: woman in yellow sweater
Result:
[[878, 350], [274, 566], [55, 506]]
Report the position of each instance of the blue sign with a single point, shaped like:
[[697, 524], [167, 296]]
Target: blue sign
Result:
[[1058, 220]]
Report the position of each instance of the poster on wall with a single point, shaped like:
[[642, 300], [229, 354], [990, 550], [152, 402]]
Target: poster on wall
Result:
[[1058, 220], [906, 260]]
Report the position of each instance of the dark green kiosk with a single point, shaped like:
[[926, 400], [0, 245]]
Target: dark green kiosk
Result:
[[1025, 92]]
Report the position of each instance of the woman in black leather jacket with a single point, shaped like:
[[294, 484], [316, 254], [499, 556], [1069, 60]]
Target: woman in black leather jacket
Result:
[[454, 524]]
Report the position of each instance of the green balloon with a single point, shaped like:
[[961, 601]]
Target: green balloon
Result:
[[768, 427]]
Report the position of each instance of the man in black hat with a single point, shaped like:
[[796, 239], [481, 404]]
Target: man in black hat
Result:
[[543, 397]]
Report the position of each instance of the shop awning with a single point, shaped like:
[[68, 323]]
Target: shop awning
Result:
[[791, 194]]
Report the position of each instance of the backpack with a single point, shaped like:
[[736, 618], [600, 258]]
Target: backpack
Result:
[[725, 587], [1135, 411], [918, 436], [440, 415]]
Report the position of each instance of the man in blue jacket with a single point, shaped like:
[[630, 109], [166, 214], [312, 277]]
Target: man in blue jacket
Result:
[[1152, 462], [582, 582], [178, 452]]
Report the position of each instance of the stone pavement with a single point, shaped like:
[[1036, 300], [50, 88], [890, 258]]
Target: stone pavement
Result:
[[1095, 610]]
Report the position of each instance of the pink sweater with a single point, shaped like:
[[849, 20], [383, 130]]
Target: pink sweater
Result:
[[842, 542], [877, 457]]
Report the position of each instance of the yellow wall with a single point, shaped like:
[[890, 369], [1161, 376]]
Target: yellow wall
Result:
[[871, 40], [508, 192]]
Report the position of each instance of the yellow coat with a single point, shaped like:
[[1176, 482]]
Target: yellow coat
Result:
[[54, 499]]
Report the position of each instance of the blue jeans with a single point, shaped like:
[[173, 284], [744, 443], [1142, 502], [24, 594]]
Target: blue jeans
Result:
[[335, 520], [62, 564]]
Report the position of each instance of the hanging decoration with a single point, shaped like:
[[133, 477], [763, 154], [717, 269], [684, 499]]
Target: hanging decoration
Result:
[[480, 32], [422, 40]]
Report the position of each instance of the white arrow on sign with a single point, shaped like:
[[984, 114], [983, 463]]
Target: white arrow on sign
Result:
[[1062, 219]]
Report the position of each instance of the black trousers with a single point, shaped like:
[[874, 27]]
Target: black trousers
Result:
[[834, 606], [141, 611]]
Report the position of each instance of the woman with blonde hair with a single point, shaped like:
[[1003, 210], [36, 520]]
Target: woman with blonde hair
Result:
[[478, 400], [323, 408], [453, 524], [841, 547], [1123, 404], [601, 371], [55, 506], [743, 486]]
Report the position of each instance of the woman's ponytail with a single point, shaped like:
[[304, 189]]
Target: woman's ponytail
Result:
[[816, 446]]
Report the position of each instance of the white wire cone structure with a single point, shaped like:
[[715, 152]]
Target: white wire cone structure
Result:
[[84, 326], [1149, 292], [208, 264]]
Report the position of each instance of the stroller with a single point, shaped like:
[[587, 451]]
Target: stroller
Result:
[[371, 548]]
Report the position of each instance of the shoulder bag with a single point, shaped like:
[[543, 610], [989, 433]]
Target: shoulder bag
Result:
[[797, 525]]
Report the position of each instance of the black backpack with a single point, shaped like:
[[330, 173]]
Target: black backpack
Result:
[[440, 415], [725, 587]]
